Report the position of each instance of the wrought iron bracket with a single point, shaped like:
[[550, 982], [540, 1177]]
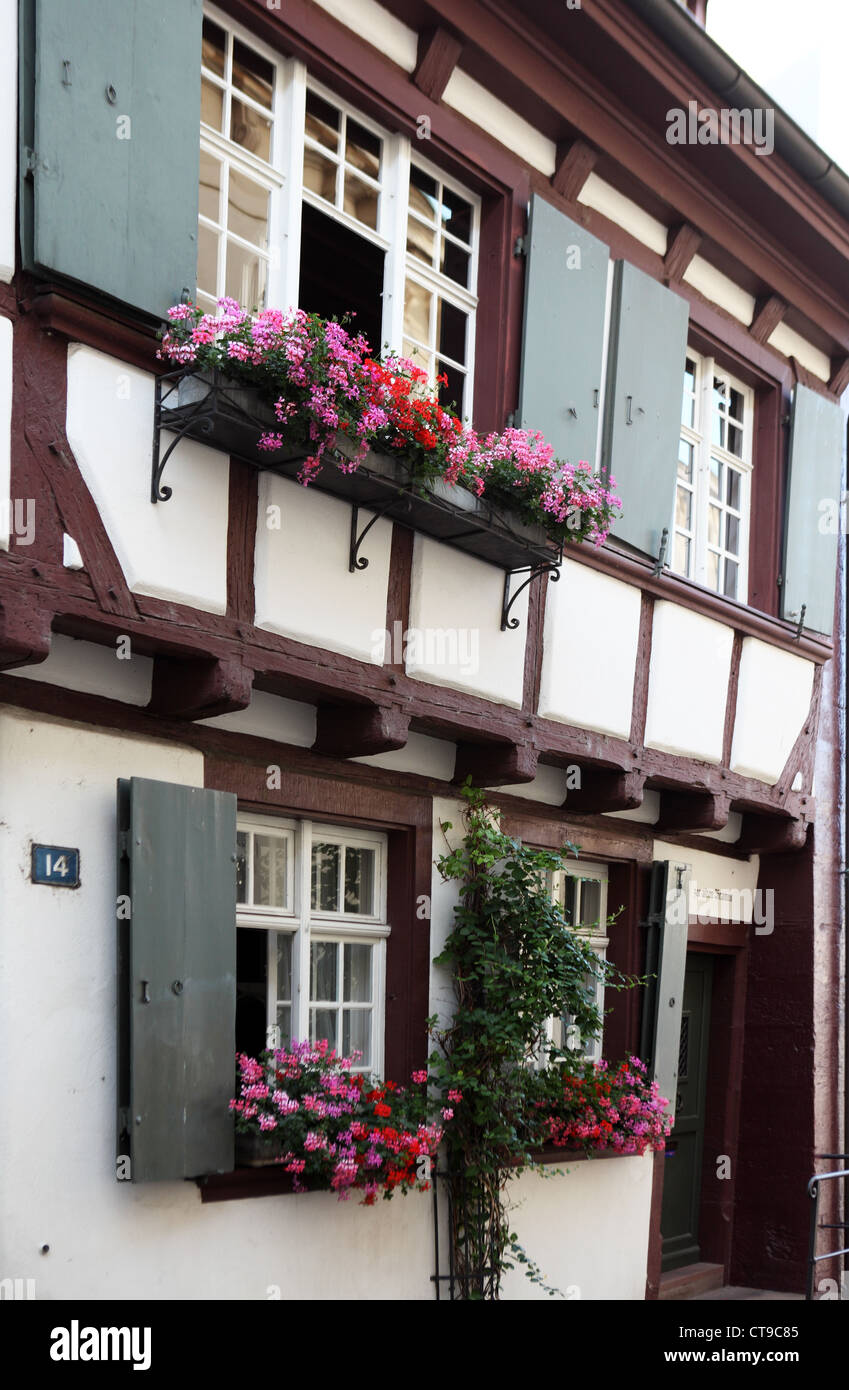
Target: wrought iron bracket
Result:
[[203, 417], [801, 624], [356, 561], [553, 569], [661, 554]]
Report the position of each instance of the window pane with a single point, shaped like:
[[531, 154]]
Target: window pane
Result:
[[570, 893], [213, 47], [250, 129], [360, 201], [208, 261], [590, 902], [714, 516], [325, 878], [362, 149], [323, 1025], [356, 982], [685, 460], [418, 356], [731, 571], [323, 970], [285, 941], [732, 535], [452, 395], [681, 555], [735, 407], [732, 484], [715, 475], [735, 440], [356, 1034], [322, 122], [241, 866], [452, 331], [689, 376], [247, 212], [320, 175], [417, 302], [210, 186], [211, 104], [713, 570], [421, 240], [245, 277], [252, 74], [457, 215], [251, 990], [424, 192], [683, 506], [359, 880], [455, 262], [269, 871], [284, 1024]]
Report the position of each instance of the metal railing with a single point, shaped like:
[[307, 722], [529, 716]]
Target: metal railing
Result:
[[816, 1225]]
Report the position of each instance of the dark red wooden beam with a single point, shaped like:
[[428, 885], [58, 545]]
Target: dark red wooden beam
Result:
[[24, 633], [839, 375], [769, 311], [575, 162], [700, 811], [495, 764], [606, 789], [199, 689], [438, 55], [356, 731], [771, 835], [682, 244]]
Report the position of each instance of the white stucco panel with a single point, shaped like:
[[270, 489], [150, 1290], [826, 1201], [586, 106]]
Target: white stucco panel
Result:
[[5, 431], [174, 550], [94, 669], [455, 636], [592, 627], [773, 699], [688, 683], [304, 588], [273, 717]]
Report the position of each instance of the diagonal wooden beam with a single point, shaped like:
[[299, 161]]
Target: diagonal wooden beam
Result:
[[575, 162], [358, 731], [495, 764], [438, 54], [769, 311], [682, 243]]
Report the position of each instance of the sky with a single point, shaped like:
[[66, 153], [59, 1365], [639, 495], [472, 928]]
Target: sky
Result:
[[798, 52]]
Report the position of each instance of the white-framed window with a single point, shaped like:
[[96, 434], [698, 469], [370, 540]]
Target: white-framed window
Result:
[[710, 525], [582, 894], [306, 201], [311, 935]]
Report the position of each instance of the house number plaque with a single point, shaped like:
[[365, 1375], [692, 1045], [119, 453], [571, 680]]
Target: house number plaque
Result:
[[55, 865]]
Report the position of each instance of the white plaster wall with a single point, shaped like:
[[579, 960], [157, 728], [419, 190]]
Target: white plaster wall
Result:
[[304, 589], [8, 135], [5, 430], [109, 1239], [271, 716], [549, 786], [592, 625], [478, 104], [586, 1227], [625, 212], [431, 757], [773, 699], [173, 550], [379, 27], [719, 886], [720, 289], [648, 811], [688, 683], [785, 339], [96, 670], [455, 607]]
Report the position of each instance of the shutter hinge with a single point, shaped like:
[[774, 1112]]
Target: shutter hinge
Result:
[[30, 160], [779, 581], [520, 246], [511, 420], [124, 844], [124, 1119]]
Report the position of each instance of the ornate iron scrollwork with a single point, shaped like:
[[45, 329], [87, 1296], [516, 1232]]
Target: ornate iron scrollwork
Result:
[[552, 568]]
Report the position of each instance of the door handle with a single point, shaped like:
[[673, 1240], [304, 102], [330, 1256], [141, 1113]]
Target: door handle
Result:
[[628, 400]]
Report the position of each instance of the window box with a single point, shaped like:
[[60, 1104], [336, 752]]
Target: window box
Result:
[[219, 411]]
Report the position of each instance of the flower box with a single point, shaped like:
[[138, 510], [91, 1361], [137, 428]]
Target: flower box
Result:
[[223, 413]]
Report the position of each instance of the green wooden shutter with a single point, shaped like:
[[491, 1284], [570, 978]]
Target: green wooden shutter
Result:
[[645, 385], [110, 132], [666, 958], [817, 438], [565, 293], [177, 962]]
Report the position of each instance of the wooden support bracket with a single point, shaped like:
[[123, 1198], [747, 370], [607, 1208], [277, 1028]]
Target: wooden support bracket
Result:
[[24, 633], [606, 789], [693, 811], [357, 731], [199, 689], [495, 764], [771, 835]]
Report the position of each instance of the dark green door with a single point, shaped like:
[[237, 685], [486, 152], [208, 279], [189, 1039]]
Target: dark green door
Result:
[[679, 1221]]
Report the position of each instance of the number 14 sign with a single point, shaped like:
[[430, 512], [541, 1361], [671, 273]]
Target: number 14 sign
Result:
[[56, 865]]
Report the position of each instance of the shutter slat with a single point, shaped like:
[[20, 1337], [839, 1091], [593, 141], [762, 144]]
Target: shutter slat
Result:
[[563, 336], [115, 205], [181, 960], [645, 384], [817, 440]]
